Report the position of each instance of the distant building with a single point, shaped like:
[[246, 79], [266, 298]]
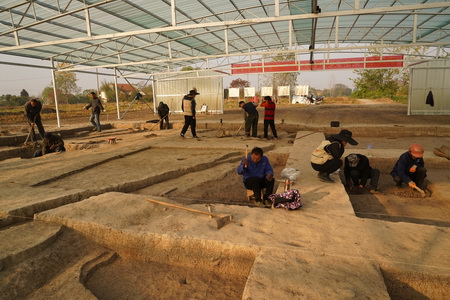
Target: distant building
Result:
[[124, 89]]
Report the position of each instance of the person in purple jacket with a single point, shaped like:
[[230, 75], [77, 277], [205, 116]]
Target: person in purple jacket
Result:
[[257, 174]]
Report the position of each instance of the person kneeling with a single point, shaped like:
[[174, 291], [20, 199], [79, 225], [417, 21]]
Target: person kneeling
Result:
[[326, 158], [52, 143], [257, 174], [410, 168], [357, 171]]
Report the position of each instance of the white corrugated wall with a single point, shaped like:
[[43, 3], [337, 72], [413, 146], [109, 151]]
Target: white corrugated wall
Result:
[[171, 88], [434, 76]]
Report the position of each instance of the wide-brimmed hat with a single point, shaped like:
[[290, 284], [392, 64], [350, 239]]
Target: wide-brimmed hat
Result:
[[345, 135], [193, 92]]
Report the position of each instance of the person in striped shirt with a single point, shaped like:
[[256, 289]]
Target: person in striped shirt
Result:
[[269, 117]]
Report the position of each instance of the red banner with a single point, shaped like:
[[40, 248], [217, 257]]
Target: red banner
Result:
[[393, 61]]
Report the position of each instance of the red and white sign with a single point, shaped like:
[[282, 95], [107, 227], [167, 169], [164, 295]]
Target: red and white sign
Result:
[[370, 62]]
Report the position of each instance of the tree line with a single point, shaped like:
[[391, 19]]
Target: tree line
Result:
[[369, 83]]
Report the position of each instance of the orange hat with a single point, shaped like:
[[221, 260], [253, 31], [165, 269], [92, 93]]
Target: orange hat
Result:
[[416, 150]]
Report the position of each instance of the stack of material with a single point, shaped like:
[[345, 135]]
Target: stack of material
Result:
[[444, 151]]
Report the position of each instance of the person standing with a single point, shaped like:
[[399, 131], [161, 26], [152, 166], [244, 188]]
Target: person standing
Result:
[[97, 107], [257, 174], [250, 117], [410, 168], [326, 158], [188, 108], [33, 115], [163, 113], [357, 171], [269, 117]]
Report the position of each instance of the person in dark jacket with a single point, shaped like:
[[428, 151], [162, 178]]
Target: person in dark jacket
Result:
[[188, 107], [326, 158], [51, 143], [33, 115], [257, 174], [163, 113], [357, 171], [250, 117], [410, 167], [269, 117], [97, 107]]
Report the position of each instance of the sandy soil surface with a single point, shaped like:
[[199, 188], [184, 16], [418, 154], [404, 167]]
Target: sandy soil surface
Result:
[[389, 245]]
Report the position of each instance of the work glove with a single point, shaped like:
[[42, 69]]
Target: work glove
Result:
[[269, 177], [413, 169], [412, 184]]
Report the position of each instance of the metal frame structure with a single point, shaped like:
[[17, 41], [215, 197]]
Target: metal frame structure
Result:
[[155, 36]]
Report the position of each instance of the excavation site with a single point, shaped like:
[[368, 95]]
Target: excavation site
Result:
[[135, 212]]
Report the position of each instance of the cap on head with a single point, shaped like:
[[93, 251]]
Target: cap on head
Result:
[[416, 150], [193, 92], [346, 135], [353, 160]]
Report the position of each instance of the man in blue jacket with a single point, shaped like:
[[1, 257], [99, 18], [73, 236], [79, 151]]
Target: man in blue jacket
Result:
[[257, 174], [410, 167]]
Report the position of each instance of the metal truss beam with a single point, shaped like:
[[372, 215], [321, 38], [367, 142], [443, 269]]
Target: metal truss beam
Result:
[[261, 53], [233, 23]]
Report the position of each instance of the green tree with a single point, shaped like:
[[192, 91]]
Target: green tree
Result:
[[108, 89], [281, 79], [24, 93], [47, 95], [148, 92], [66, 84], [375, 83], [189, 68], [340, 90], [239, 83], [12, 100]]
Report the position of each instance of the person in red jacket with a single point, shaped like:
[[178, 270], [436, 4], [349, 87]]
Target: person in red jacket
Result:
[[269, 117]]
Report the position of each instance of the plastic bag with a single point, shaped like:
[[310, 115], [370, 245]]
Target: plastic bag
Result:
[[290, 173]]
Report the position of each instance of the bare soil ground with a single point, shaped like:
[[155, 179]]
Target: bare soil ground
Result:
[[203, 171]]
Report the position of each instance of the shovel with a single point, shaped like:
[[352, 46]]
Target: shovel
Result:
[[240, 127], [220, 220]]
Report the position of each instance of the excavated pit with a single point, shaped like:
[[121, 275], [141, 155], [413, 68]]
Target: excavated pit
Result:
[[404, 204], [406, 285], [199, 277], [226, 188]]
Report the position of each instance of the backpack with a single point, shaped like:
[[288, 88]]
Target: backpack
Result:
[[290, 200]]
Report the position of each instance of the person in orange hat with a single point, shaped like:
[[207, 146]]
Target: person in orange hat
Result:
[[410, 167]]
